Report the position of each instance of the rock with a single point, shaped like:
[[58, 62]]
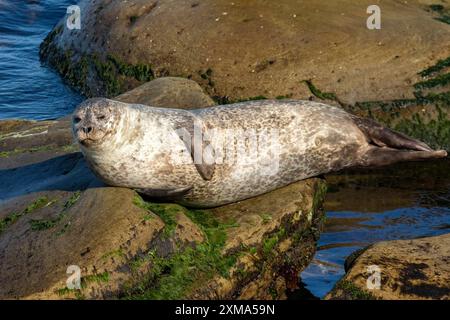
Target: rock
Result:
[[169, 92], [273, 237], [40, 156], [26, 142], [237, 50], [68, 172], [128, 248], [55, 214], [88, 229], [410, 269]]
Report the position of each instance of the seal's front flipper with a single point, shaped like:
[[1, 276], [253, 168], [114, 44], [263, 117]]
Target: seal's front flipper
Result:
[[385, 137], [165, 193], [382, 156], [197, 141]]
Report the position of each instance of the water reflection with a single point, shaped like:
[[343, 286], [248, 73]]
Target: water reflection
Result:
[[404, 201]]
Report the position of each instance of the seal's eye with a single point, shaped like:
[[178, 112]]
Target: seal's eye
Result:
[[76, 119], [101, 117]]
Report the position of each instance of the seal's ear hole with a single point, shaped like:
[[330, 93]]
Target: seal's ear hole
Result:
[[76, 119]]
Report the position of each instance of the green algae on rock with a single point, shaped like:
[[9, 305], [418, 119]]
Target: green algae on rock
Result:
[[111, 72], [44, 224], [13, 217]]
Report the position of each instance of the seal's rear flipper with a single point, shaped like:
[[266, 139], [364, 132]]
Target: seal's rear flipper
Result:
[[388, 146], [382, 156], [385, 137]]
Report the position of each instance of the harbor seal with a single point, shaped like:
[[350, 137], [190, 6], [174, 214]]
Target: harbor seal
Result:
[[218, 155]]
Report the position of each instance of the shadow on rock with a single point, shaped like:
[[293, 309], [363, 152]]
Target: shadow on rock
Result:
[[68, 172]]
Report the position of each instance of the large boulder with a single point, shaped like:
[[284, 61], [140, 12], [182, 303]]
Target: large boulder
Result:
[[409, 269], [241, 49], [169, 92]]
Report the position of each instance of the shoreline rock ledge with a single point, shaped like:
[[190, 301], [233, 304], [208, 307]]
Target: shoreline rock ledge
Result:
[[417, 269], [55, 214]]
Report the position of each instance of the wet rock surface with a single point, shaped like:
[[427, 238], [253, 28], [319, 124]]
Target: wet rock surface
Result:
[[409, 269]]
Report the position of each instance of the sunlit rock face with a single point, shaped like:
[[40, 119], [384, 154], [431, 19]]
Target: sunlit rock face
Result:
[[237, 50]]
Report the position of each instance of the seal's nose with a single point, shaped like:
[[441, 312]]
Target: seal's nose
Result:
[[86, 129]]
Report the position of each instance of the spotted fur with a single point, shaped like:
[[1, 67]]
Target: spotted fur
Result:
[[137, 147]]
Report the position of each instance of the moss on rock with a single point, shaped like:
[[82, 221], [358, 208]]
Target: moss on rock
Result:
[[14, 216], [173, 276], [79, 70], [349, 291]]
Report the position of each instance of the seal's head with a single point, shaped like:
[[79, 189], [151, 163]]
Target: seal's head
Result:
[[94, 120]]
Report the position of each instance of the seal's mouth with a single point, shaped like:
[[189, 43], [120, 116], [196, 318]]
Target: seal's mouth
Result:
[[88, 142], [89, 137]]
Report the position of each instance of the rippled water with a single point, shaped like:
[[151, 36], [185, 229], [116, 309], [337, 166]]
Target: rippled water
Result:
[[405, 201], [29, 90]]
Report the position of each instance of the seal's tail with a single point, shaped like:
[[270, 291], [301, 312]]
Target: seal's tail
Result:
[[377, 156], [389, 146]]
